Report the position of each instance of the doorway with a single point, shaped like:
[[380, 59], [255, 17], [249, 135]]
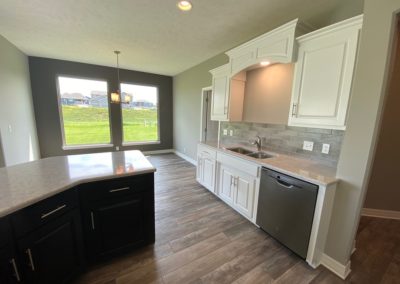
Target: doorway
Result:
[[208, 128]]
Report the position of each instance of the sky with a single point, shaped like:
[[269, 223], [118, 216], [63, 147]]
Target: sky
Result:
[[85, 87]]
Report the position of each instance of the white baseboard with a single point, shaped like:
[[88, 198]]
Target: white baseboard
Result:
[[387, 214], [336, 267], [185, 157], [156, 152]]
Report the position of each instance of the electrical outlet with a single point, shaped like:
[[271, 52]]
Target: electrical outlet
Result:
[[225, 131], [308, 145], [117, 148], [325, 148], [230, 132], [9, 128]]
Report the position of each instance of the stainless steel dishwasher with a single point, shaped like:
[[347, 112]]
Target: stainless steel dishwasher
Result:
[[286, 208]]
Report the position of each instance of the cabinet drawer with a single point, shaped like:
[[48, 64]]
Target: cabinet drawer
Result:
[[44, 211], [116, 187], [206, 151]]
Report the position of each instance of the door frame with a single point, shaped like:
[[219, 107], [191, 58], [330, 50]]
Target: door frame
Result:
[[203, 93]]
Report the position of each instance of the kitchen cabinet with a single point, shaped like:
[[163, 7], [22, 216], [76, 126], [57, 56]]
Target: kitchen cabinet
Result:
[[206, 165], [9, 266], [227, 95], [54, 252], [276, 46], [238, 183], [226, 186], [118, 215], [237, 189], [323, 75], [48, 238]]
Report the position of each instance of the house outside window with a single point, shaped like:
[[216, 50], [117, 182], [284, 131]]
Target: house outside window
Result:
[[84, 112]]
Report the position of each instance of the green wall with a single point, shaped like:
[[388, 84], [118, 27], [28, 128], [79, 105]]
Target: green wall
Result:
[[187, 101]]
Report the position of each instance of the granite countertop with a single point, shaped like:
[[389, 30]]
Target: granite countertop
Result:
[[304, 169], [25, 184]]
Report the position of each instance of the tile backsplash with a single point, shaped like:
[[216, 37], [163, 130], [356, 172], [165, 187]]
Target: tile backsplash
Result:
[[286, 139]]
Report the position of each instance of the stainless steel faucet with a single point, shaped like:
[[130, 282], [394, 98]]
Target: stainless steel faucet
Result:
[[257, 142]]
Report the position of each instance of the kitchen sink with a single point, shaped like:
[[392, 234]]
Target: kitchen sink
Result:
[[260, 155], [240, 150]]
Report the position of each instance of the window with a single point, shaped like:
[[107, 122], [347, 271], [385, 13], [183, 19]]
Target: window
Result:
[[84, 111], [140, 114]]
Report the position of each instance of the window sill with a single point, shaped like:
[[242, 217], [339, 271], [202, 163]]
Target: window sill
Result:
[[140, 143], [81, 147]]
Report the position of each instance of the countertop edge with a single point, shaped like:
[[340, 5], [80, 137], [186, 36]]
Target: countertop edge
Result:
[[77, 182]]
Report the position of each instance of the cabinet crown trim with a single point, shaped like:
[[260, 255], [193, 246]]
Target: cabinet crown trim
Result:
[[275, 31], [355, 21]]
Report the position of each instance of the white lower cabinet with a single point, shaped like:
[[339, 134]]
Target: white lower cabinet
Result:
[[232, 179], [226, 185], [206, 167], [238, 184], [243, 194]]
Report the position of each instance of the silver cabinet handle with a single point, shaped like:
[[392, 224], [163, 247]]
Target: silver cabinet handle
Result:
[[119, 189], [294, 109], [53, 211], [92, 219], [15, 268], [31, 264], [231, 180], [235, 181]]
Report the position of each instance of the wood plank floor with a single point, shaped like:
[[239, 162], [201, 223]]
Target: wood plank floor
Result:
[[199, 239]]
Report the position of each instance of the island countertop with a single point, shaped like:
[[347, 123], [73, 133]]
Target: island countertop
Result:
[[25, 184]]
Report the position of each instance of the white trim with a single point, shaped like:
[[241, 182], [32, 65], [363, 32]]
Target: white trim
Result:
[[127, 144], [185, 157], [203, 92], [336, 267], [378, 213], [86, 146], [156, 152]]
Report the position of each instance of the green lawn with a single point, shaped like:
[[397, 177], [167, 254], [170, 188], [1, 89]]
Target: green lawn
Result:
[[91, 125]]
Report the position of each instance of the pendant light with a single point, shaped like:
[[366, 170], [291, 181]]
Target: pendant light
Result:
[[116, 96]]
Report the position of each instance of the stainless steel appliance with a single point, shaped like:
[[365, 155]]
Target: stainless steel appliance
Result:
[[286, 208]]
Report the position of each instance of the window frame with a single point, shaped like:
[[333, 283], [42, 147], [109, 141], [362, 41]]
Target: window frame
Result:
[[64, 146], [153, 142]]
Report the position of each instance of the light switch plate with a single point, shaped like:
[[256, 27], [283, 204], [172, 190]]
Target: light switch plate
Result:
[[225, 131], [325, 148], [308, 145], [230, 132]]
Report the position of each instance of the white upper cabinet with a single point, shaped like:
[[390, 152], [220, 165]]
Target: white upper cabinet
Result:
[[228, 95], [228, 81], [323, 75], [275, 46]]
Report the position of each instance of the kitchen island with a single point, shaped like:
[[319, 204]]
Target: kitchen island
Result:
[[59, 214]]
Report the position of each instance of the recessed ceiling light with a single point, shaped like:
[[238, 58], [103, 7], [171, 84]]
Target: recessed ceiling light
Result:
[[265, 63], [184, 5]]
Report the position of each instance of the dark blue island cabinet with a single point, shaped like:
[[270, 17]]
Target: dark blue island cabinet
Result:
[[53, 240]]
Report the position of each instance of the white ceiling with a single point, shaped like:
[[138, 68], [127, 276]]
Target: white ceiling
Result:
[[154, 36]]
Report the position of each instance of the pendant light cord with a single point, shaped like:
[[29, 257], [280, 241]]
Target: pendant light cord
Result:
[[117, 53]]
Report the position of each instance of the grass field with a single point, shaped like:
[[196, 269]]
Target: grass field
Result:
[[91, 125]]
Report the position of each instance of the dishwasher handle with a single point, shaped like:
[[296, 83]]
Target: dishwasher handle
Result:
[[285, 184]]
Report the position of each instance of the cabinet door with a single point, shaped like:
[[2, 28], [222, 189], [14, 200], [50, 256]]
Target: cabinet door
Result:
[[9, 267], [226, 186], [244, 194], [53, 253], [323, 78], [208, 179], [220, 100], [117, 225]]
